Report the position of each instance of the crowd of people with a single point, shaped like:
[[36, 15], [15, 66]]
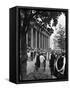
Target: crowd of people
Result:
[[57, 63], [39, 60]]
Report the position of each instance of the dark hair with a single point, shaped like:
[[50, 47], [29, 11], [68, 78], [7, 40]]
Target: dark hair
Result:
[[63, 53]]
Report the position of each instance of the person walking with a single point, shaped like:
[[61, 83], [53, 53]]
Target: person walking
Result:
[[37, 64], [44, 62], [52, 63]]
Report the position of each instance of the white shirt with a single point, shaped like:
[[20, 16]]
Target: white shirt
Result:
[[42, 58], [28, 54]]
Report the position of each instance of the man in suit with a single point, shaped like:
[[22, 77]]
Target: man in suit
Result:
[[37, 64], [52, 60]]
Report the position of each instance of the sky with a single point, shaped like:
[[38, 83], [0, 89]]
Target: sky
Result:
[[61, 21]]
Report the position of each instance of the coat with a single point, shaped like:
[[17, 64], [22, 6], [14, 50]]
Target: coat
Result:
[[37, 61]]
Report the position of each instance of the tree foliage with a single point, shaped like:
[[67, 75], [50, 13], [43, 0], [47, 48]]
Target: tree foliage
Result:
[[40, 17], [60, 38]]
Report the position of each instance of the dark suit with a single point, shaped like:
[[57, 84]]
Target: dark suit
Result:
[[52, 63], [37, 64]]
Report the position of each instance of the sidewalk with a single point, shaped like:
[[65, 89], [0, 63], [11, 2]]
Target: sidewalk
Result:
[[40, 74]]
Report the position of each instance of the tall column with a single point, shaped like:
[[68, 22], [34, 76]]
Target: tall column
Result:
[[42, 41], [39, 39], [32, 37], [45, 42], [48, 45], [27, 39], [48, 42], [36, 39]]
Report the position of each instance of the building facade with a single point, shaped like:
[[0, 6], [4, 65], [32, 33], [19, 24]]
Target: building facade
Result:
[[38, 40]]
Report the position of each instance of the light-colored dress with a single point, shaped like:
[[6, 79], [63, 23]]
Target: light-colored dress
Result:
[[42, 58]]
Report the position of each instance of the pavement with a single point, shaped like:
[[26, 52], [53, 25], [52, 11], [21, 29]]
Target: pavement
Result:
[[40, 74]]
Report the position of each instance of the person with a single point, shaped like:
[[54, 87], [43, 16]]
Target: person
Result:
[[29, 55], [42, 61], [51, 63], [65, 68], [34, 54], [60, 66], [37, 64]]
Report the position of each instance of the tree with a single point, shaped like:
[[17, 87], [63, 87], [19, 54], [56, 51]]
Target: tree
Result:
[[60, 38], [41, 18]]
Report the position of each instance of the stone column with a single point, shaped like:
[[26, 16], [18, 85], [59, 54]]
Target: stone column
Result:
[[27, 39], [42, 41], [45, 42], [39, 39], [36, 39], [48, 42], [32, 37]]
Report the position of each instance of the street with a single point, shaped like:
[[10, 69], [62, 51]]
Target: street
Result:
[[40, 74]]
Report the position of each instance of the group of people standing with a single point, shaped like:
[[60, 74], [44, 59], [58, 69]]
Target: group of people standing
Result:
[[40, 62], [57, 65]]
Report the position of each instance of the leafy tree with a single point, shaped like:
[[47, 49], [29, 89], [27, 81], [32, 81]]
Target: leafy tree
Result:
[[60, 38]]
